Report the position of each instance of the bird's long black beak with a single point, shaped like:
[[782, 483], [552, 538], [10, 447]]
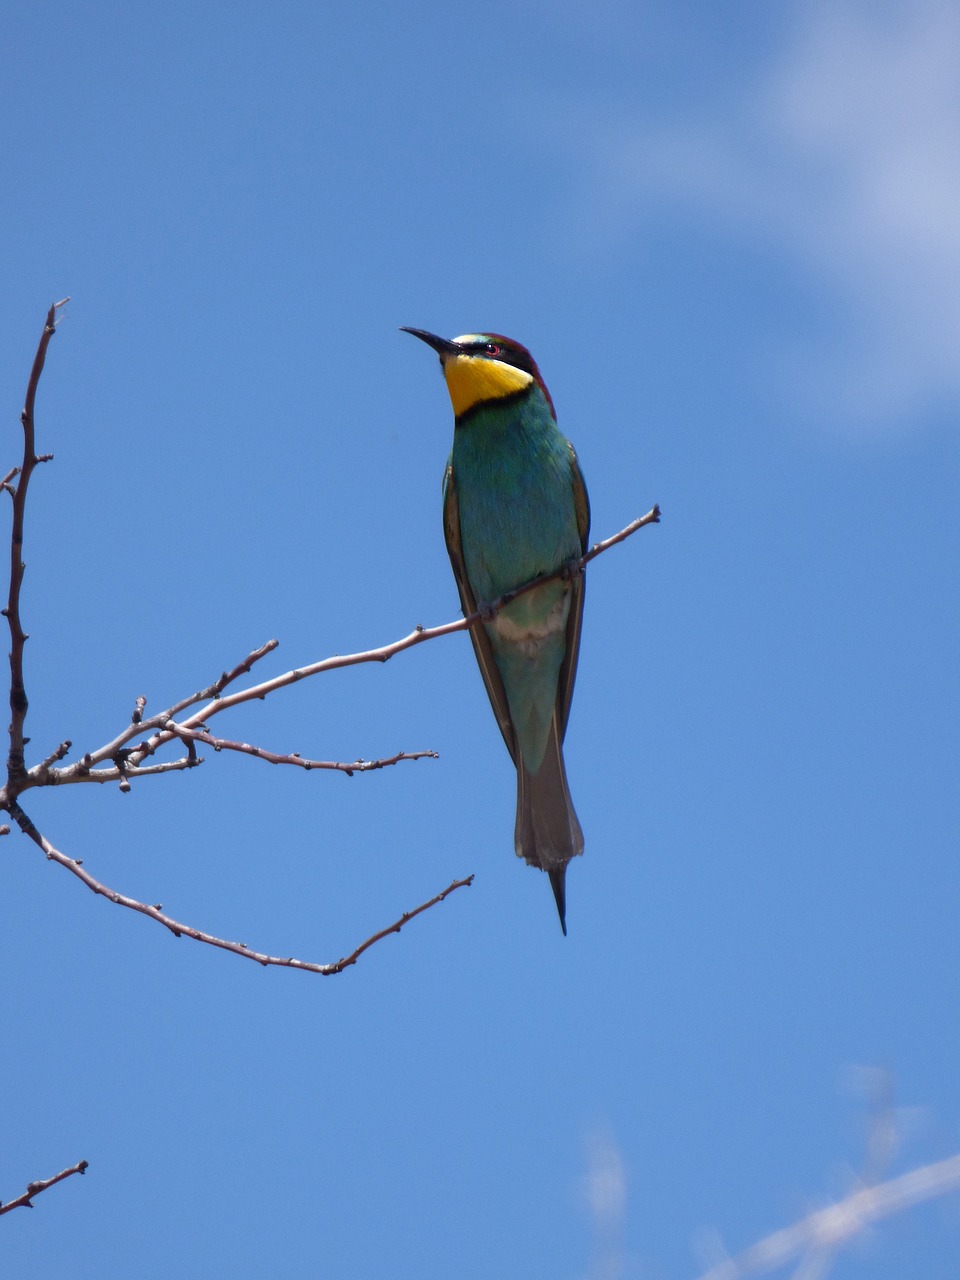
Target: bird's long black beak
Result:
[[443, 346]]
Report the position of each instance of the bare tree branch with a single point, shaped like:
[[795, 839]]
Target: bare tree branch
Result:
[[34, 1188], [18, 695], [164, 727], [160, 734], [127, 763]]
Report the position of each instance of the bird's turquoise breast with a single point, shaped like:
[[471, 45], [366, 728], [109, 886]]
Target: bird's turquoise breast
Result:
[[518, 521], [515, 490]]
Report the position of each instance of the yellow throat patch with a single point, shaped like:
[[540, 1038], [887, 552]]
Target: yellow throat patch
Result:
[[473, 379]]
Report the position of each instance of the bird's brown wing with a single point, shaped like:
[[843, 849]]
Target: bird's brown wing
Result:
[[568, 669], [478, 635]]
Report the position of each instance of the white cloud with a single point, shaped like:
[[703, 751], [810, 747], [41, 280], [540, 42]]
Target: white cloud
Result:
[[845, 154]]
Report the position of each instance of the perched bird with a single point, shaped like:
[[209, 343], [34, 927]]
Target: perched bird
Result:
[[515, 508]]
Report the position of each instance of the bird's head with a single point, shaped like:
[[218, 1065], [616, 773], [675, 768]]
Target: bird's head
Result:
[[480, 367]]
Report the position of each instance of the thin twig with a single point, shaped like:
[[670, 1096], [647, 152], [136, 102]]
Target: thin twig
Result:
[[598, 548], [58, 754], [178, 929], [34, 1188], [18, 695], [354, 956], [294, 758]]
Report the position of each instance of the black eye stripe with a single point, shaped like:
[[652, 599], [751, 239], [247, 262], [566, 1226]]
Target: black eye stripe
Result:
[[508, 355]]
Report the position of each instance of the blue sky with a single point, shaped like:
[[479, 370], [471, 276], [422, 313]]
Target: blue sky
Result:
[[730, 238]]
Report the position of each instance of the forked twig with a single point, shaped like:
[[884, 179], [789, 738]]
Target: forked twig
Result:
[[179, 929]]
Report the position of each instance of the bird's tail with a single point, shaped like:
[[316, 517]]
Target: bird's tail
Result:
[[548, 833]]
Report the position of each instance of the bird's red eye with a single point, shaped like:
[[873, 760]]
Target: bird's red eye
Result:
[[492, 349]]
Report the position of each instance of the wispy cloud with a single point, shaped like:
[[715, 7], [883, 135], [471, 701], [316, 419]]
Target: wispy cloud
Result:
[[603, 1194], [843, 152]]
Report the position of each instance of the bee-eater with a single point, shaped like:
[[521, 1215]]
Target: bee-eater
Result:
[[515, 508]]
